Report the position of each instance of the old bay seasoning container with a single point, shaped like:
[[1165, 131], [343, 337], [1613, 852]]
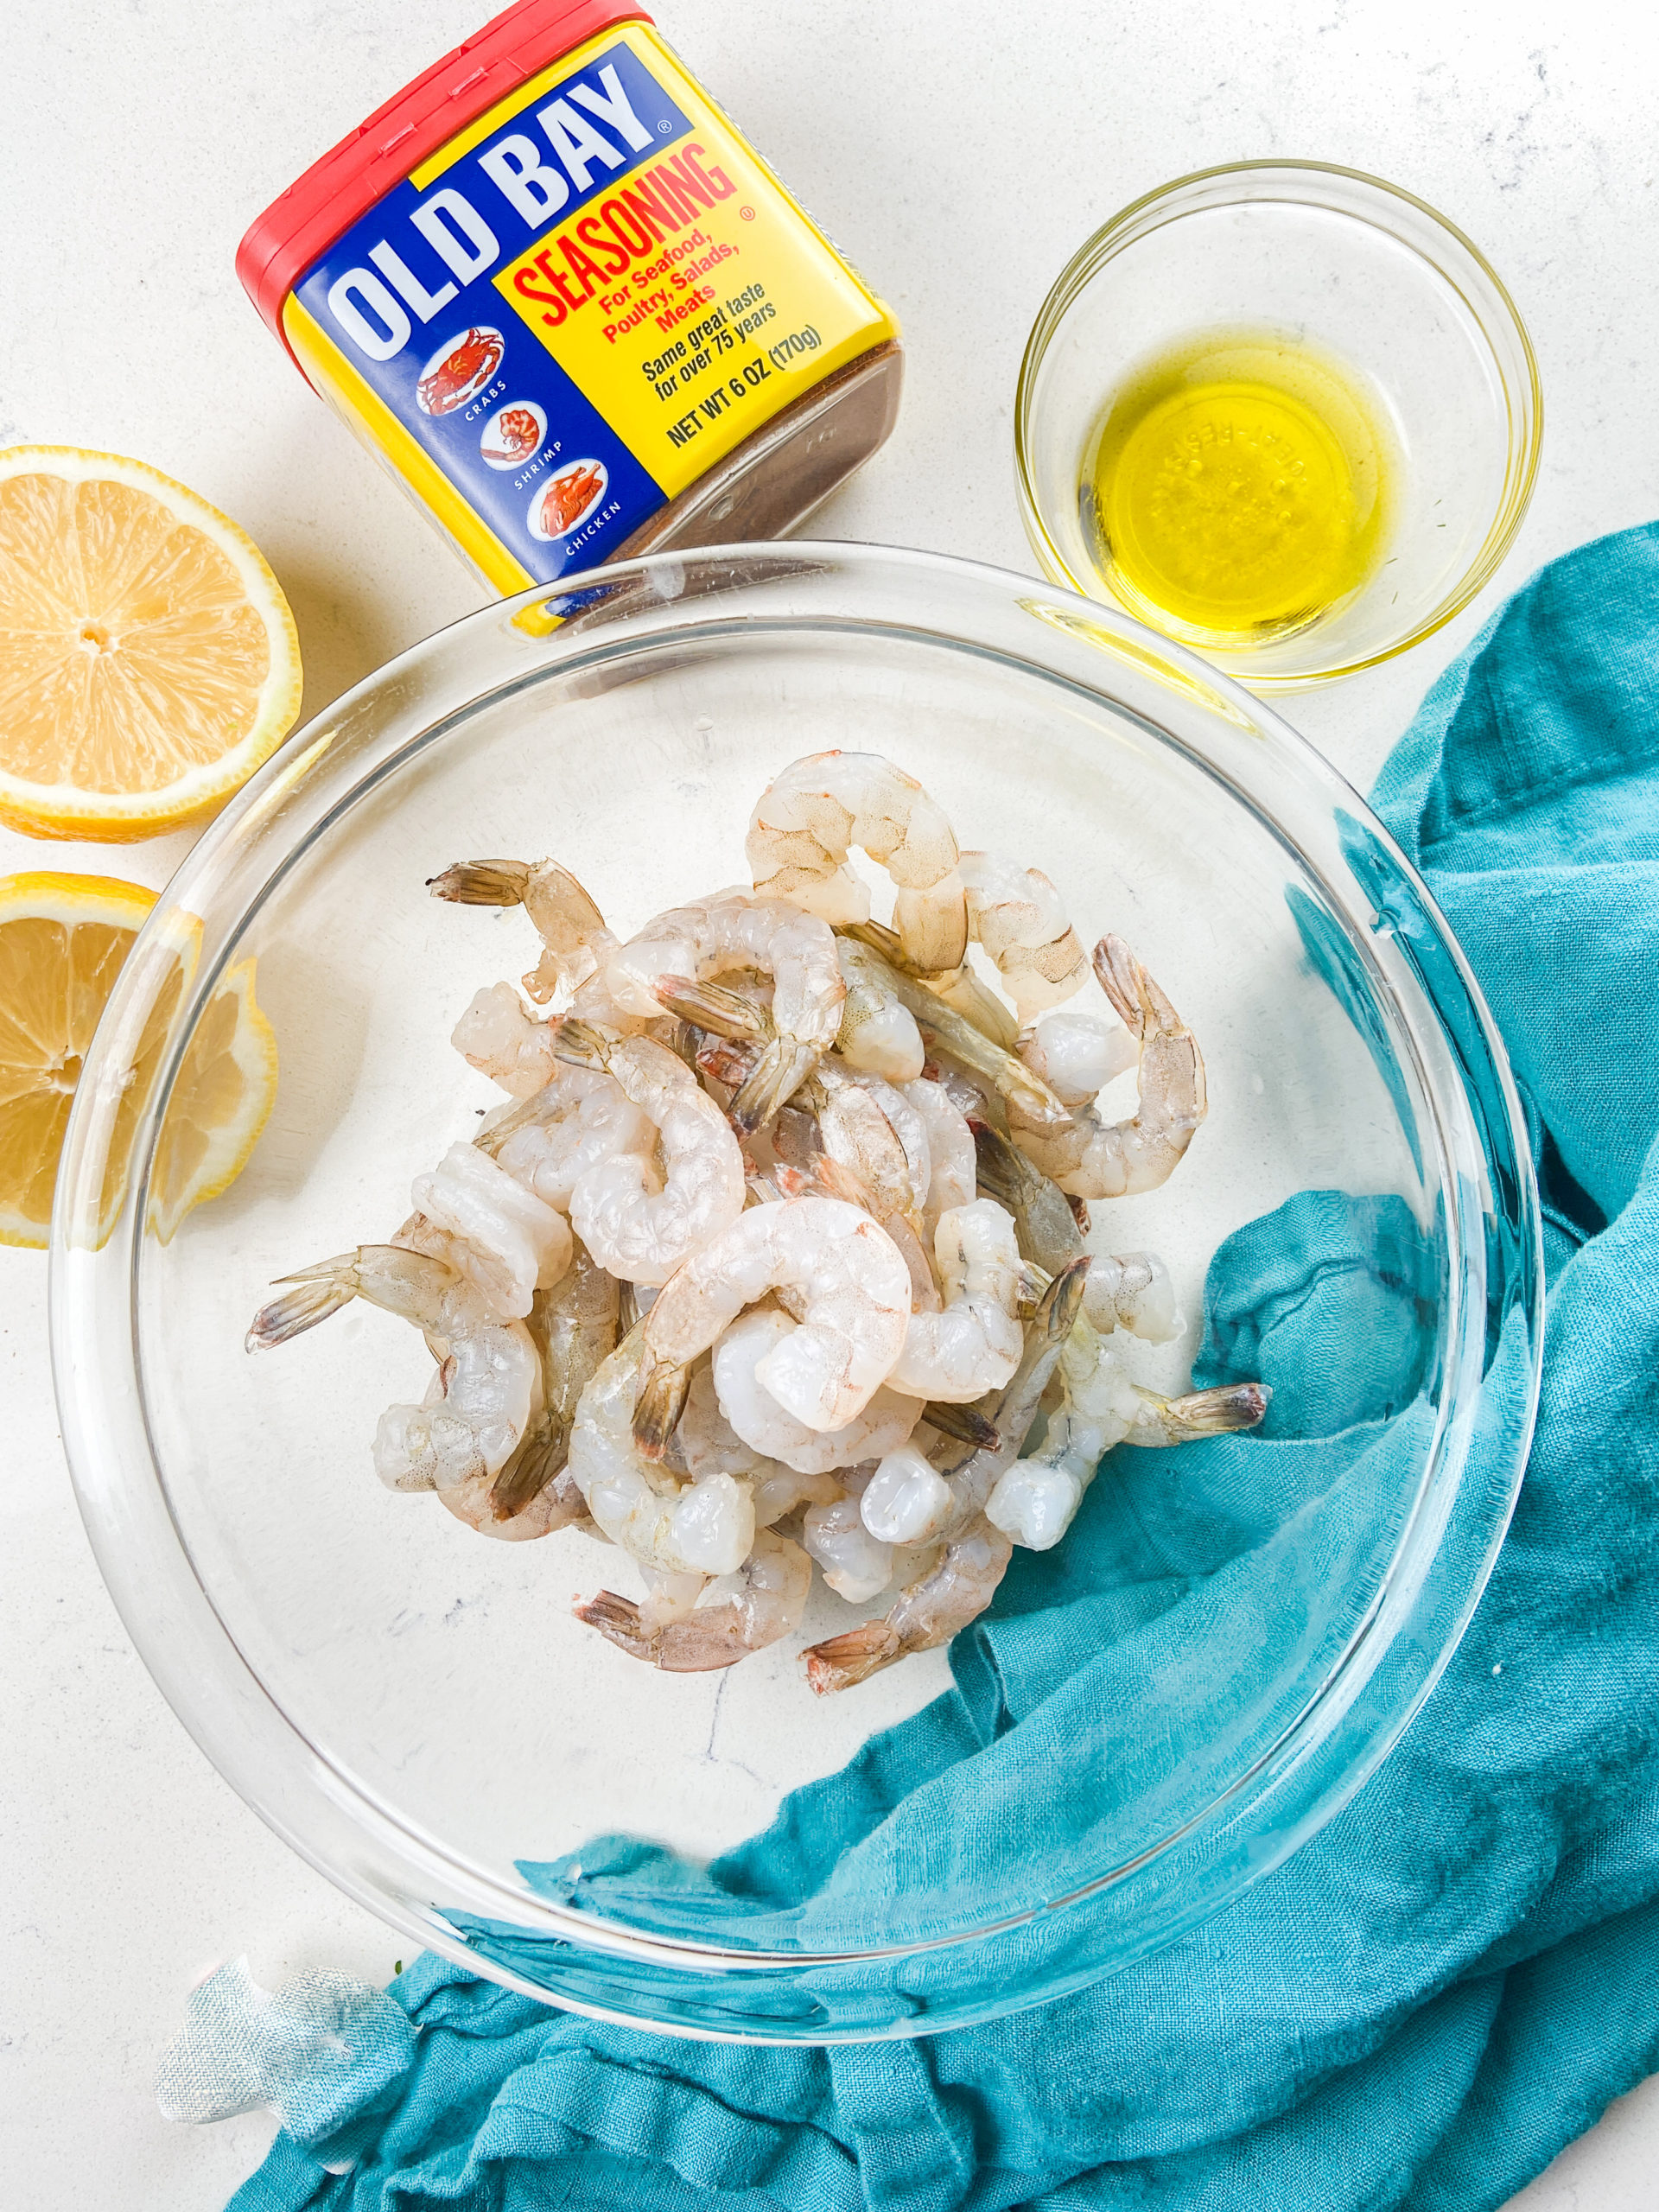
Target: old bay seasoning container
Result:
[[574, 312]]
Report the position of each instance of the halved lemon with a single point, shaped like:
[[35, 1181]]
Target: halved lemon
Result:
[[63, 939], [149, 662]]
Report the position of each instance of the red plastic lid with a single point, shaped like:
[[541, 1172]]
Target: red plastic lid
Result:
[[409, 129]]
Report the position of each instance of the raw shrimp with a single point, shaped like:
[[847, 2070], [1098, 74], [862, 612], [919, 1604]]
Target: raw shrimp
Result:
[[496, 1036], [853, 1290], [955, 1035], [636, 1230], [572, 1326], [471, 1214], [810, 817], [1131, 1290], [856, 1565], [572, 928], [705, 1443], [877, 1031], [952, 1167], [1016, 914], [577, 1121], [758, 1418], [870, 1127], [490, 1372], [700, 1528], [928, 1611], [960, 988], [1077, 1054], [1035, 1502], [1096, 1159], [733, 930], [765, 1604], [958, 1587], [974, 1345]]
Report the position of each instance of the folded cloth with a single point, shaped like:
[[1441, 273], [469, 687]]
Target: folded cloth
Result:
[[1457, 1974]]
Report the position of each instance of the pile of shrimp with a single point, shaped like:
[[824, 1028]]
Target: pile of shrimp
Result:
[[773, 1254]]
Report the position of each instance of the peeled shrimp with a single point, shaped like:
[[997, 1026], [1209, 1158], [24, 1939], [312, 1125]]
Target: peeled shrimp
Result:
[[811, 815], [1077, 1055], [572, 1326], [958, 1583], [496, 1036], [952, 1167], [877, 1031], [570, 924], [581, 1118], [1096, 1160], [638, 1231], [1016, 914], [958, 1036], [471, 1214], [700, 942], [488, 1380], [856, 1565], [1036, 1500], [700, 1528], [947, 1598], [851, 1282], [762, 1423], [869, 1126], [768, 1597], [974, 1345]]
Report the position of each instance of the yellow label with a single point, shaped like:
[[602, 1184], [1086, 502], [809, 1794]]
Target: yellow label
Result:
[[694, 301]]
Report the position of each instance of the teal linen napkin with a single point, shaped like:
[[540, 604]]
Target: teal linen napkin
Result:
[[1459, 1972]]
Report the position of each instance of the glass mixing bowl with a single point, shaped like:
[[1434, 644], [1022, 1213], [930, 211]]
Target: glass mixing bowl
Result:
[[1355, 269], [415, 1710]]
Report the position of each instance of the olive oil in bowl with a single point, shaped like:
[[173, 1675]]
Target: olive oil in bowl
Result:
[[1239, 486]]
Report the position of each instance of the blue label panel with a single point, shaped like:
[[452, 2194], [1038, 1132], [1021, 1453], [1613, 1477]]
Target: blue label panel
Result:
[[406, 295]]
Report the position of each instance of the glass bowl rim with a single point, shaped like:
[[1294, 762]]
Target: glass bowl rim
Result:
[[80, 1184], [1525, 405]]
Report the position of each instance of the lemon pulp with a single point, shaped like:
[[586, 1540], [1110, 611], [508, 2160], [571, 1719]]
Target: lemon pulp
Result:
[[1237, 486]]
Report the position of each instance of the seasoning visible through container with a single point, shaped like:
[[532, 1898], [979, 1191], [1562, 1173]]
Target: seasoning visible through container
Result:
[[1239, 485], [572, 311]]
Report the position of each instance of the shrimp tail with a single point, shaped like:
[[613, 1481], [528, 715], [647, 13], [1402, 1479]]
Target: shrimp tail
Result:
[[482, 883], [722, 1012], [1219, 1412], [618, 1620], [842, 1662], [581, 1044], [966, 1424], [782, 1068], [321, 1290], [540, 1458], [663, 1388], [1043, 1221]]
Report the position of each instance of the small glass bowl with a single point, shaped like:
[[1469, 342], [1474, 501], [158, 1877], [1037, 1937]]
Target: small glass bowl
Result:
[[1354, 268], [415, 1710]]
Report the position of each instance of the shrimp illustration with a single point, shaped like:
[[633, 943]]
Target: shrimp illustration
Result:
[[489, 1375], [1016, 914], [766, 1600], [1093, 1158], [813, 812], [699, 942]]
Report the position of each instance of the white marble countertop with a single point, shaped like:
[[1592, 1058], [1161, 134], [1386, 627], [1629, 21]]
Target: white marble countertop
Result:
[[960, 151]]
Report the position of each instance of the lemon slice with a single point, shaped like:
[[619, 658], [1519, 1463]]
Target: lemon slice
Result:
[[63, 939], [149, 662]]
